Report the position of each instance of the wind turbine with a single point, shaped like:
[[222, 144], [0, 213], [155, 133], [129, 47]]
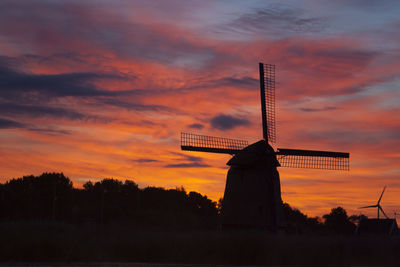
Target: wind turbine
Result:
[[378, 205]]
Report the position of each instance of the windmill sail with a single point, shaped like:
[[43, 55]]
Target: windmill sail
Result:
[[267, 91], [313, 159], [204, 143]]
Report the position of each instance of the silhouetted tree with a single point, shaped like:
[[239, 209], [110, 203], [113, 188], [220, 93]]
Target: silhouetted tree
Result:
[[44, 197], [297, 222], [219, 205], [338, 221], [355, 219], [110, 200]]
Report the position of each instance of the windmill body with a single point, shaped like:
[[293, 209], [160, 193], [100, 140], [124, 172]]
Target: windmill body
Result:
[[252, 197]]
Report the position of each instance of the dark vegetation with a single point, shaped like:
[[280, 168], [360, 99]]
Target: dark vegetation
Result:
[[45, 218], [51, 197]]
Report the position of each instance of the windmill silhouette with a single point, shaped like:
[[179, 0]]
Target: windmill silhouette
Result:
[[378, 205], [252, 196]]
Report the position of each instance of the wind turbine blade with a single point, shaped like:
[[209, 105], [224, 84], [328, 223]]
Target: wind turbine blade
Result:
[[381, 195], [373, 206], [379, 207]]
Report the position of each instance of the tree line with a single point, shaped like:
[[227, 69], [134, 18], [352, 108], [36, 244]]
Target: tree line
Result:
[[52, 197]]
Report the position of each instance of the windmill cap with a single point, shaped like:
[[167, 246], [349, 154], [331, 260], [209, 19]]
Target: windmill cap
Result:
[[260, 151]]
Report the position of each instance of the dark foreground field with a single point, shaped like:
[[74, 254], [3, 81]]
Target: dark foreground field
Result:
[[51, 242]]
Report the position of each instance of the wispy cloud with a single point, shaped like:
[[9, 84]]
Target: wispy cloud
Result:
[[187, 165], [144, 160], [51, 85], [317, 109], [196, 126], [49, 131], [276, 21], [9, 124], [227, 122], [12, 124], [187, 161], [13, 109]]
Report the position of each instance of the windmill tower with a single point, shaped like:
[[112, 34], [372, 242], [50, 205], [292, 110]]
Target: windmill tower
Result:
[[377, 205], [252, 197]]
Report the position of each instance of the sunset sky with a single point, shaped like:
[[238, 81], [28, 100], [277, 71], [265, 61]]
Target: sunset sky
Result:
[[98, 89]]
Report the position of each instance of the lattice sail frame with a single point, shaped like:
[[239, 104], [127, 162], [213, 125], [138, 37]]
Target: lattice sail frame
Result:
[[267, 93], [287, 157], [205, 143], [312, 159]]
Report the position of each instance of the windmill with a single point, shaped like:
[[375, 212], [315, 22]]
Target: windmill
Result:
[[252, 196], [378, 205]]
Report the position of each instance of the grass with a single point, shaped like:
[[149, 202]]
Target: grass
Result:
[[56, 242]]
